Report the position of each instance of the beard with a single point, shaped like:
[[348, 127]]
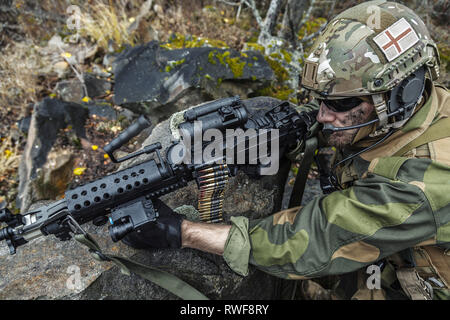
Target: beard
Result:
[[341, 138], [356, 116]]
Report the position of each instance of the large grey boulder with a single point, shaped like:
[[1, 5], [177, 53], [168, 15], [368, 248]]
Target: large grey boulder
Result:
[[154, 80]]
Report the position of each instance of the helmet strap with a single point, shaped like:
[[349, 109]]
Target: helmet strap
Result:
[[380, 108]]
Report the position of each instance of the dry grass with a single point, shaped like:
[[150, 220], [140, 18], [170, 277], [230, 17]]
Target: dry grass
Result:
[[104, 23], [9, 162], [20, 66], [214, 21]]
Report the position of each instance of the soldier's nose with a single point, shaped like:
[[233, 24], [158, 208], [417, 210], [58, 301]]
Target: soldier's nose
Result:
[[325, 114]]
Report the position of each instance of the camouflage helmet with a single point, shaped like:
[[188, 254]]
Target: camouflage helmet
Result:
[[368, 49]]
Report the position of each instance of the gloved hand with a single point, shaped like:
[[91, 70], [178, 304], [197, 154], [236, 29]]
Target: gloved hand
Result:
[[165, 232]]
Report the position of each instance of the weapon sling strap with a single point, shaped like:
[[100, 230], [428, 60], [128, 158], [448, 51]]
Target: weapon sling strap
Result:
[[163, 279], [302, 175], [437, 131]]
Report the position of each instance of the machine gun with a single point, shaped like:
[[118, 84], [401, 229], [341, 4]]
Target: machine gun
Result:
[[125, 198]]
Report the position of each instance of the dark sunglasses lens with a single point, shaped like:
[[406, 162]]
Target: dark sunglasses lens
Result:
[[343, 105]]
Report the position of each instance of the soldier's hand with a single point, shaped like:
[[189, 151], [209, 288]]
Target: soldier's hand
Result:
[[165, 232]]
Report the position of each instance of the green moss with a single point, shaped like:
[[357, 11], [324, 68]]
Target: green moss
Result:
[[211, 57], [286, 55], [294, 100], [177, 63], [236, 66], [281, 93], [275, 55], [216, 43], [179, 41], [255, 47], [310, 27], [223, 56], [280, 72], [173, 64]]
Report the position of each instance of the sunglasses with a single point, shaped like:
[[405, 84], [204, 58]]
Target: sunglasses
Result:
[[342, 105]]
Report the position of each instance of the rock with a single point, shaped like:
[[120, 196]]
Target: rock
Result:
[[99, 71], [70, 90], [61, 68], [75, 53], [24, 124], [109, 58], [156, 81], [96, 86], [102, 110], [54, 176], [49, 116], [127, 114]]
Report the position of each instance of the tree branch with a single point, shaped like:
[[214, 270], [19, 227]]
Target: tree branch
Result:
[[271, 16], [308, 13], [235, 4], [251, 4], [315, 34]]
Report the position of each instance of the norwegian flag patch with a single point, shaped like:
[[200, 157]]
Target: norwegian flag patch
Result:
[[396, 39]]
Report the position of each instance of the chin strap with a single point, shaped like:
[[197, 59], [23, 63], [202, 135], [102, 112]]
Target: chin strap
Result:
[[380, 108]]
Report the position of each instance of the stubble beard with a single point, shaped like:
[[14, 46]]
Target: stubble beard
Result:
[[343, 138]]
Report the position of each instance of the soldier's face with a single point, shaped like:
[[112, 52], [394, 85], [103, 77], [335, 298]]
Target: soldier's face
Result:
[[357, 115]]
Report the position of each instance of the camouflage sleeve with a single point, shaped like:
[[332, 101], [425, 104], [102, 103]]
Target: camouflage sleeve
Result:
[[349, 229]]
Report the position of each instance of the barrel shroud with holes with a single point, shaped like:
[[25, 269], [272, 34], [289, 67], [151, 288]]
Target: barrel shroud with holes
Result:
[[124, 198]]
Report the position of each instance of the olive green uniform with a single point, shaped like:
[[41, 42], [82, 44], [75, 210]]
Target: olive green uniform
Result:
[[394, 206], [392, 202]]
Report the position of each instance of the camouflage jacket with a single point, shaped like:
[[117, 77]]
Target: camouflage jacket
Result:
[[391, 202]]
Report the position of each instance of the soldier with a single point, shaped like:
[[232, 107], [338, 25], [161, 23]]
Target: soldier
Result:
[[371, 74]]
